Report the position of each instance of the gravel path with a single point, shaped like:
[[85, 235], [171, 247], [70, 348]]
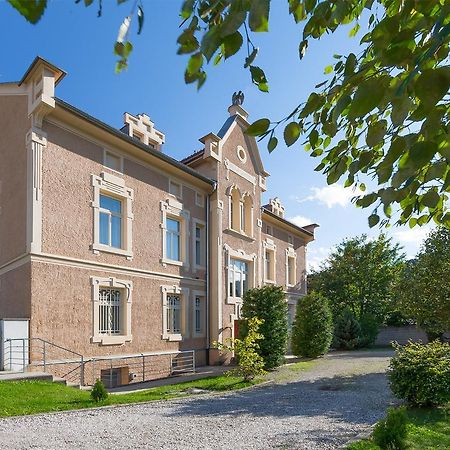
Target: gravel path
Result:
[[322, 409]]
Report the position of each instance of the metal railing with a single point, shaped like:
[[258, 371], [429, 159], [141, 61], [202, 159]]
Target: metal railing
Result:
[[30, 354]]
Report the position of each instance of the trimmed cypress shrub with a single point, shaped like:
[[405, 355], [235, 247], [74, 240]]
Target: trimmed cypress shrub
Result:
[[99, 393], [390, 433], [268, 303], [312, 331], [347, 331]]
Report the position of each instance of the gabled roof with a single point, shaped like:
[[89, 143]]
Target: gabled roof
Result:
[[193, 156], [59, 73]]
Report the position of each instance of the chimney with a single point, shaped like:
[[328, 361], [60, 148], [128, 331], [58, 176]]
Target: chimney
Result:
[[143, 129], [276, 207]]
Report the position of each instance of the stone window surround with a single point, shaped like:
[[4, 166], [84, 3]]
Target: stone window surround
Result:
[[269, 245], [184, 297], [172, 208], [290, 254], [201, 294], [248, 258], [246, 202], [202, 223], [114, 186], [127, 286]]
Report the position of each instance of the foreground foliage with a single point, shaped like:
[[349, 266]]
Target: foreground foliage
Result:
[[268, 304], [99, 392], [250, 363], [426, 428], [383, 112], [420, 373], [424, 288], [312, 330], [390, 433]]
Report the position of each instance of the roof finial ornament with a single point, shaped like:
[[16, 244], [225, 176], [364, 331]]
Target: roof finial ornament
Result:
[[238, 98]]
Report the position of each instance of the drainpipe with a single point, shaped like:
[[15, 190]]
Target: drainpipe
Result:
[[207, 278]]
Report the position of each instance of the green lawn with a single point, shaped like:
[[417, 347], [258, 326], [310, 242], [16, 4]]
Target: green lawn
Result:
[[30, 397], [428, 429]]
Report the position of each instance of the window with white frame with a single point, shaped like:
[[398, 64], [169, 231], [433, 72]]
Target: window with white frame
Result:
[[174, 319], [238, 278], [199, 315], [174, 226], [173, 239], [173, 315], [200, 244], [112, 161], [111, 310], [269, 265], [175, 189], [291, 271], [242, 216], [110, 221], [113, 217]]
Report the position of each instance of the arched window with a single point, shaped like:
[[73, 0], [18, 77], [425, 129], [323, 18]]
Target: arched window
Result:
[[235, 209], [247, 215]]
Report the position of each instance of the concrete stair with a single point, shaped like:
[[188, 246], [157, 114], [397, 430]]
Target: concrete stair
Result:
[[42, 376]]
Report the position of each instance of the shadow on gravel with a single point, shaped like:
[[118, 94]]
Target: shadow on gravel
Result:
[[359, 399]]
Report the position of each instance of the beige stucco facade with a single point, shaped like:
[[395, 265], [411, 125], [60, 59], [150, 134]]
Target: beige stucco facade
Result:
[[174, 290]]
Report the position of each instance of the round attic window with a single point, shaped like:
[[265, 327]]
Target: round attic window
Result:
[[241, 154]]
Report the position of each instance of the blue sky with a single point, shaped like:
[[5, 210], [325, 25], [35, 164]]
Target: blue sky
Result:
[[73, 38]]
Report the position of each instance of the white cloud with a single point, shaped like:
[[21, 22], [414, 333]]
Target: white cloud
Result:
[[300, 221], [315, 257], [334, 195], [412, 235]]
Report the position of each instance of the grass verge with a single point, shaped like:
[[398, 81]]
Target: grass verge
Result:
[[31, 397], [428, 429]]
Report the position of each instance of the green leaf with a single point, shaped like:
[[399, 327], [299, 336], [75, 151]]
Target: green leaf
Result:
[[401, 106], [431, 199], [376, 132], [258, 128], [259, 15], [368, 96], [273, 142], [195, 63], [259, 78], [302, 48], [187, 8], [432, 85], [231, 44], [373, 220], [291, 133], [140, 15], [419, 154], [328, 70], [232, 22], [250, 58], [32, 10], [211, 42], [313, 138], [354, 30]]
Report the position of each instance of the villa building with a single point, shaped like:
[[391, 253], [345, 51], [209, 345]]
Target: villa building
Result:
[[113, 250]]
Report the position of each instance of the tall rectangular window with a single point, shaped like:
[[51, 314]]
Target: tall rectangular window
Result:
[[173, 239], [173, 325], [110, 221], [242, 216], [198, 322], [109, 311], [291, 270], [269, 267], [200, 251], [238, 274]]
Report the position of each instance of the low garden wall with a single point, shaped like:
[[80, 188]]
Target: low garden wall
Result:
[[400, 334]]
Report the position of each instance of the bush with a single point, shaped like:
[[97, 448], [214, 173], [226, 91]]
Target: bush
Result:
[[99, 393], [369, 330], [269, 304], [312, 331], [250, 363], [390, 433], [347, 331], [420, 373]]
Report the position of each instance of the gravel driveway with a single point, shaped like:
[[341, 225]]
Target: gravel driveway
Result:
[[324, 407]]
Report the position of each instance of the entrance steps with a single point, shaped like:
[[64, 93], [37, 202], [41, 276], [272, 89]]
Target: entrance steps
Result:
[[28, 376]]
